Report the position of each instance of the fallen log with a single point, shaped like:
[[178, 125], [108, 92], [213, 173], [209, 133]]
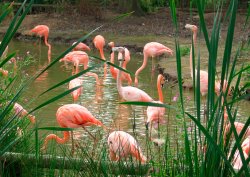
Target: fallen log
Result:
[[59, 162]]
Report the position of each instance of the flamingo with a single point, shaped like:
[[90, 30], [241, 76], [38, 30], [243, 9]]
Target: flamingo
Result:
[[237, 162], [151, 49], [72, 116], [129, 93], [4, 72], [75, 83], [155, 114], [238, 126], [99, 43], [122, 144], [20, 111], [114, 71], [43, 30], [81, 47], [203, 74], [77, 58]]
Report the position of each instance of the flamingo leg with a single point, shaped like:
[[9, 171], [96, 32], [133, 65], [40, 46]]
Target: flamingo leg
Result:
[[90, 134], [73, 145]]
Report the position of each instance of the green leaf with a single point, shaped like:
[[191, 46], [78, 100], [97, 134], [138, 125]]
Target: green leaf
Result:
[[140, 103]]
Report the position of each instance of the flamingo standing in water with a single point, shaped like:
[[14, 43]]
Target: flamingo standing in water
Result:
[[4, 72], [77, 58], [75, 83], [203, 74], [81, 47], [43, 30], [72, 116], [20, 111], [129, 93], [121, 145], [237, 162], [151, 49], [114, 71], [99, 43], [156, 114]]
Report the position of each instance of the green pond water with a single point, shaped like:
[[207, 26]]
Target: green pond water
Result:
[[103, 101]]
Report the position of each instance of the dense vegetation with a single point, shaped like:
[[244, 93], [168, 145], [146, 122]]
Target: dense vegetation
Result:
[[204, 152]]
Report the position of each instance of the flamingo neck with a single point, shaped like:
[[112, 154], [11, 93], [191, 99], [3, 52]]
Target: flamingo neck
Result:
[[95, 76], [59, 140], [119, 82], [112, 60], [160, 77], [102, 54], [49, 46], [145, 59]]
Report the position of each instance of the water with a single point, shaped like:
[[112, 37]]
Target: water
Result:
[[102, 101]]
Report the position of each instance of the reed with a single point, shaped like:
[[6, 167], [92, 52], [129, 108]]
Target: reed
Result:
[[203, 151]]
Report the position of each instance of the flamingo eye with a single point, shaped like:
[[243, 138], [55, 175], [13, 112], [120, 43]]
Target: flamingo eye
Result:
[[110, 142]]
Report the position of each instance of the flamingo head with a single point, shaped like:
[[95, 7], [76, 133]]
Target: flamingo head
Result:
[[193, 28], [120, 50], [111, 44]]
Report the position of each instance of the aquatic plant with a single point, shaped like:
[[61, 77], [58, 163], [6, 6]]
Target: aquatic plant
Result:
[[206, 152]]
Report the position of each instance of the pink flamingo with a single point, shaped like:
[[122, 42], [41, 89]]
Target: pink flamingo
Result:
[[129, 93], [122, 144], [99, 43], [43, 30], [20, 111], [203, 74], [151, 49], [156, 114], [77, 58], [72, 116], [238, 126], [76, 93], [4, 72], [81, 47], [237, 162], [114, 71]]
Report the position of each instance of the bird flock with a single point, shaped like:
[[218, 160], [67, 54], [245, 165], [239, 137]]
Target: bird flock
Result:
[[120, 143]]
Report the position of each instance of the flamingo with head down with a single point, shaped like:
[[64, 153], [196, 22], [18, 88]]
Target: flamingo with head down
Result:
[[151, 49], [114, 71], [99, 43], [81, 47], [20, 111], [77, 58], [75, 83], [72, 116], [43, 30], [121, 145]]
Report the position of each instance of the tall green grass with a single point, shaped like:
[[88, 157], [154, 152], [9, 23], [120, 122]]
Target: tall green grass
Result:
[[199, 152]]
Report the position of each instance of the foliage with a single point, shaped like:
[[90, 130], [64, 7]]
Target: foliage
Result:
[[201, 151]]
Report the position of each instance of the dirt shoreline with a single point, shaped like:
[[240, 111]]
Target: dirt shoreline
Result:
[[155, 26]]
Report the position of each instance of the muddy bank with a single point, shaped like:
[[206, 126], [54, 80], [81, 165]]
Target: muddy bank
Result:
[[132, 31]]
